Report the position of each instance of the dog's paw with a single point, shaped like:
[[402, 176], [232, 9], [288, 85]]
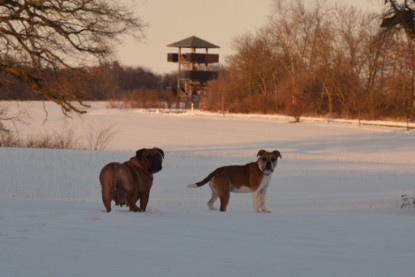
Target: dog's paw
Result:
[[263, 210], [135, 209]]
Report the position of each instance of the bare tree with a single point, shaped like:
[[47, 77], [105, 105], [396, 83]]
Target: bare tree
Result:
[[330, 60], [40, 39], [400, 14], [256, 63], [298, 36], [350, 28]]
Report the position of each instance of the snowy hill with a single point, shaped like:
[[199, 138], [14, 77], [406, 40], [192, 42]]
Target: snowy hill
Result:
[[335, 200]]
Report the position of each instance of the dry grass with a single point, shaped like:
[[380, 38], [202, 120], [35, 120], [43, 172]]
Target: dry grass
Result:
[[65, 139]]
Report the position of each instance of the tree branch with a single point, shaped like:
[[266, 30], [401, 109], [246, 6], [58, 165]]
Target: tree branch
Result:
[[36, 35]]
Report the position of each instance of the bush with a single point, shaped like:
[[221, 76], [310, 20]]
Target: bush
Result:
[[7, 138], [65, 139], [56, 140], [99, 139]]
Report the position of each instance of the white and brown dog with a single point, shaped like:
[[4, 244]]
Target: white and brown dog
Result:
[[252, 177]]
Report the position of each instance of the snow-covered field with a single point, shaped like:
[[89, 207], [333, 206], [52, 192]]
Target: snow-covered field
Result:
[[335, 200]]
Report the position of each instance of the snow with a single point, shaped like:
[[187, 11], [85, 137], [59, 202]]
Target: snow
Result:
[[335, 199]]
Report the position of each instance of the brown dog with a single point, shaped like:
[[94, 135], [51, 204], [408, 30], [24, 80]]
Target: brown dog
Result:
[[127, 182], [253, 177]]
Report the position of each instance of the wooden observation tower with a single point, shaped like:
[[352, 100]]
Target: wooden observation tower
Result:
[[193, 73]]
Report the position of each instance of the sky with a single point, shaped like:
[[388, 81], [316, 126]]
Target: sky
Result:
[[217, 21]]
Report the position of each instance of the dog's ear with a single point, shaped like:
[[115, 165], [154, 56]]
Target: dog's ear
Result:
[[277, 153], [139, 154], [160, 151], [260, 152]]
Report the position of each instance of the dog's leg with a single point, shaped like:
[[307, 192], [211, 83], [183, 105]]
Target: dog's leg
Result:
[[144, 200], [255, 201], [262, 201], [212, 200], [132, 205], [107, 204], [258, 201], [107, 191], [133, 208], [224, 200]]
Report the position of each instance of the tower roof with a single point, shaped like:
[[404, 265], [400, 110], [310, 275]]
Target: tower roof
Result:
[[193, 42]]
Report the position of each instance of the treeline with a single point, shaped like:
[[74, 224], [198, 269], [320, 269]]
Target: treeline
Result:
[[319, 60], [133, 85], [308, 59]]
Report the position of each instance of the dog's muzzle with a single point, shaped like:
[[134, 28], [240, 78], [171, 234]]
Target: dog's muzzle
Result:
[[268, 168], [156, 165]]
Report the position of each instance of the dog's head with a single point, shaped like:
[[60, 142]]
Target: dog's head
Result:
[[267, 161], [150, 159]]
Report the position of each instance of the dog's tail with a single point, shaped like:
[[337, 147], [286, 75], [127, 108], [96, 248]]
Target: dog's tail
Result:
[[203, 182]]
